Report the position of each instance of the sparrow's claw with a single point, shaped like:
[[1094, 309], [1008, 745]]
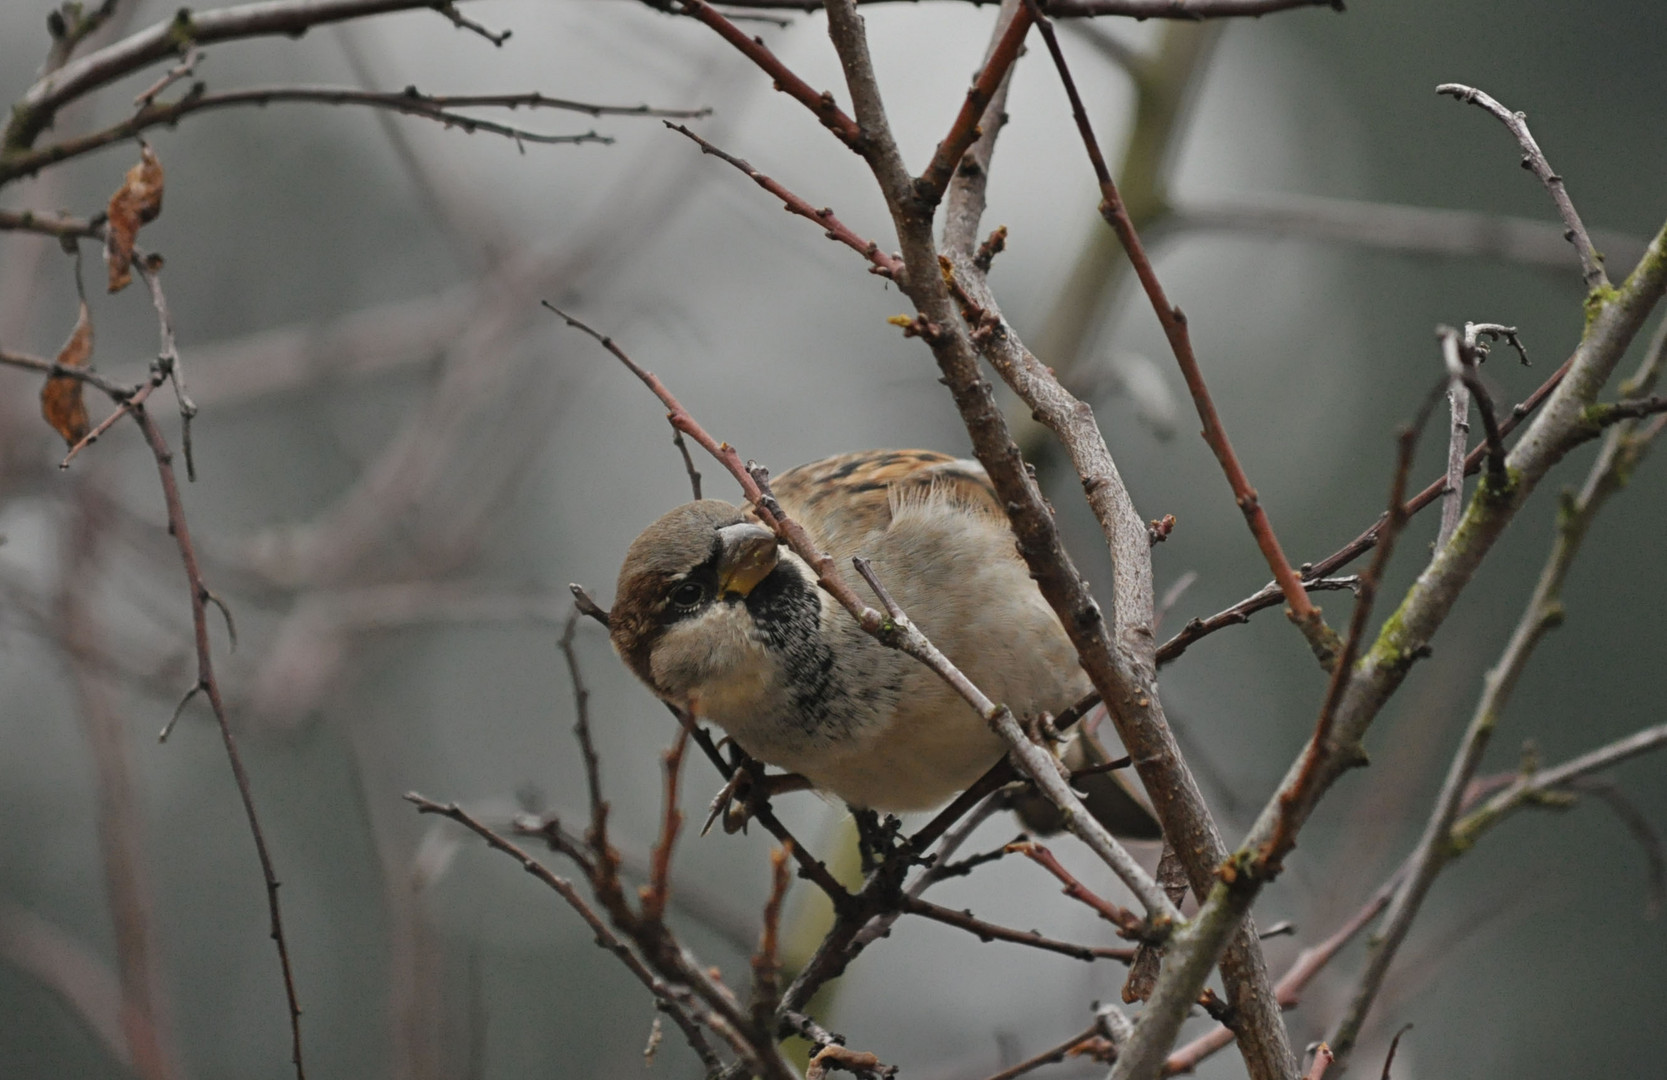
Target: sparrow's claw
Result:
[[721, 801], [737, 800]]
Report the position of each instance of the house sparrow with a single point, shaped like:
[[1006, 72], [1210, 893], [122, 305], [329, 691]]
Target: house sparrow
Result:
[[719, 619]]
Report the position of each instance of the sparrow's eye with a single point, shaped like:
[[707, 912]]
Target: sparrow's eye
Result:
[[688, 595]]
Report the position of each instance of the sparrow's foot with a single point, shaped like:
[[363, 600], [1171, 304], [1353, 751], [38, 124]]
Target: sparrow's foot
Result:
[[738, 800], [877, 837]]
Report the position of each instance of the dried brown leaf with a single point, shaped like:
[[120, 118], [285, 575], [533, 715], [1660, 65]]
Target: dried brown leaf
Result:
[[136, 202], [61, 402]]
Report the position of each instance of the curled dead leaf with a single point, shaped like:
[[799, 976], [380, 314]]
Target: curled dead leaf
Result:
[[61, 402], [136, 202]]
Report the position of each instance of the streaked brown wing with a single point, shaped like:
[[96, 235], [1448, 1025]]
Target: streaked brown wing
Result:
[[848, 496]]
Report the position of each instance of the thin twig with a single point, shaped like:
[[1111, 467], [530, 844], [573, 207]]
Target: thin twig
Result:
[[834, 229], [1126, 921], [1174, 324], [1049, 1056], [449, 10], [1591, 263], [766, 962], [987, 931], [658, 889], [1458, 442], [1295, 797], [688, 463], [669, 1001], [782, 77], [210, 687], [198, 99], [1267, 597], [1460, 359], [62, 226], [168, 362], [1622, 450], [34, 112], [935, 179], [182, 70], [27, 362]]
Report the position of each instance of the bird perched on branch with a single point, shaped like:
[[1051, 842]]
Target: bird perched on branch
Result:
[[720, 619]]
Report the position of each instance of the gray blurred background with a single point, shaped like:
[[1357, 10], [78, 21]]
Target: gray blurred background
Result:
[[403, 461]]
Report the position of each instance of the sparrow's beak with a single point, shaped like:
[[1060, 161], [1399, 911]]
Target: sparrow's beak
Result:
[[748, 556]]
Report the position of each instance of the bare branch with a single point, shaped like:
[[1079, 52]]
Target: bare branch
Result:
[[35, 111], [985, 931], [210, 687], [27, 362], [197, 99], [1307, 617], [935, 179], [834, 229], [1623, 449], [1591, 263], [667, 998], [821, 104], [62, 226], [1413, 230], [1270, 595], [1458, 441]]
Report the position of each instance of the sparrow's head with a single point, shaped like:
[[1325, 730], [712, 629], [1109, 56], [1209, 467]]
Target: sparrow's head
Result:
[[680, 617]]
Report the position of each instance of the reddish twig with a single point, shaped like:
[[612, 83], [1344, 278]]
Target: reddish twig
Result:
[[1323, 1058], [822, 104], [766, 962], [208, 685], [1174, 324], [1127, 922], [1312, 572], [1294, 800], [885, 265], [932, 183], [654, 894]]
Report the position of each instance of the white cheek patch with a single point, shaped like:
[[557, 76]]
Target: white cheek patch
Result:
[[716, 649]]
